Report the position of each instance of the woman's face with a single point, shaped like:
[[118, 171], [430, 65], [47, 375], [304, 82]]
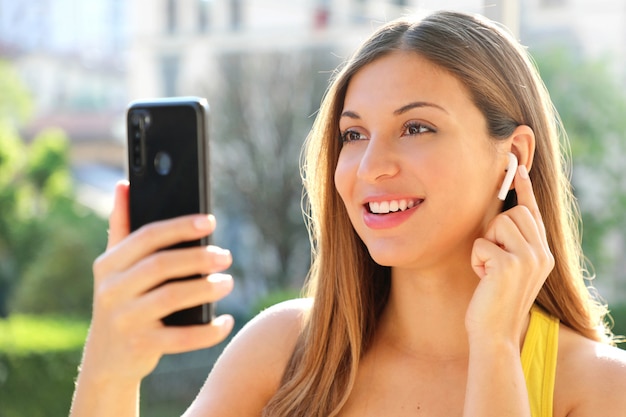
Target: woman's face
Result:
[[417, 172]]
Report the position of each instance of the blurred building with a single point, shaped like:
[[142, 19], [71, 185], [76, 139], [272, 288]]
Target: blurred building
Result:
[[173, 45], [173, 41], [70, 53], [84, 60], [597, 28], [72, 56]]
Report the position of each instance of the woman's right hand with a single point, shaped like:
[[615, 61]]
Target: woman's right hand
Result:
[[127, 338]]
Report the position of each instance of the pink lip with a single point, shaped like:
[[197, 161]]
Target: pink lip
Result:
[[389, 220]]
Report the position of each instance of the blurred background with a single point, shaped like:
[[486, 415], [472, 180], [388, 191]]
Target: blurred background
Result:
[[68, 69]]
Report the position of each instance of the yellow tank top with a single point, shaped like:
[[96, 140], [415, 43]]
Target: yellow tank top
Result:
[[539, 361]]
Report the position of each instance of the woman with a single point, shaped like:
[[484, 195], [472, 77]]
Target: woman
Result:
[[428, 295]]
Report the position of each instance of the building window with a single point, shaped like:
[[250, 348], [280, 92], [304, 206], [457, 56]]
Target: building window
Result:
[[322, 14], [553, 3], [359, 11], [235, 14], [170, 67], [171, 15], [204, 15]]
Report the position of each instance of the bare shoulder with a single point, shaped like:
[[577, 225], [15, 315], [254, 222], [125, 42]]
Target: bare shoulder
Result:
[[273, 332], [590, 377], [249, 370]]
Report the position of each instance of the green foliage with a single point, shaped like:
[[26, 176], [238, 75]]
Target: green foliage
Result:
[[39, 357], [11, 153], [592, 105], [589, 99], [47, 242], [15, 102], [23, 334], [618, 314], [48, 162], [58, 279], [11, 157]]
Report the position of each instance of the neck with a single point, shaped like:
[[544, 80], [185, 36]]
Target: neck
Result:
[[425, 314]]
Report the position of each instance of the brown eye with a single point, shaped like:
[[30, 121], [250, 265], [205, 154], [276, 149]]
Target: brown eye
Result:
[[414, 128], [351, 136]]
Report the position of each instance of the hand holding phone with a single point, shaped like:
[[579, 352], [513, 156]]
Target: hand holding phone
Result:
[[126, 338]]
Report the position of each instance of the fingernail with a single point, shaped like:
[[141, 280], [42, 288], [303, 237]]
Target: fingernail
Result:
[[226, 321], [218, 251], [218, 278], [523, 172], [204, 222]]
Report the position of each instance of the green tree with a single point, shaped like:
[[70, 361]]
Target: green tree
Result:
[[54, 271], [15, 107], [15, 102], [56, 277], [265, 107], [47, 166], [592, 104], [11, 153], [47, 241]]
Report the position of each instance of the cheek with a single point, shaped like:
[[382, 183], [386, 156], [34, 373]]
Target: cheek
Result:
[[344, 176]]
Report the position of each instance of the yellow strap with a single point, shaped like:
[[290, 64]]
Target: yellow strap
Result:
[[539, 355]]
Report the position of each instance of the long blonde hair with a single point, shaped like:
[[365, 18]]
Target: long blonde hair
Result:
[[349, 288]]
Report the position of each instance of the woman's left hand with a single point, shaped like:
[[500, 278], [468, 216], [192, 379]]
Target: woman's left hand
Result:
[[512, 260]]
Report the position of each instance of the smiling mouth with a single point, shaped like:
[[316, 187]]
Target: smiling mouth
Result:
[[392, 206]]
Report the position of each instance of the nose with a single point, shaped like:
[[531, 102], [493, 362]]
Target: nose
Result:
[[379, 161]]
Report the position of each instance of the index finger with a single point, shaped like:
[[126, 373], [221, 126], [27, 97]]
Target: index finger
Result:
[[119, 223], [526, 196]]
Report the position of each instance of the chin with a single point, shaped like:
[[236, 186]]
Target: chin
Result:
[[390, 257]]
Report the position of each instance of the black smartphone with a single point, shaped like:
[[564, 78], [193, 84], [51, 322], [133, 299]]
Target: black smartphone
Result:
[[168, 171]]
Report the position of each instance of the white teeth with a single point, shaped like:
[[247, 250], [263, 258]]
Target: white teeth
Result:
[[384, 207]]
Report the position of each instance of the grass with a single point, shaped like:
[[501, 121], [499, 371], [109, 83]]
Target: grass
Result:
[[24, 333]]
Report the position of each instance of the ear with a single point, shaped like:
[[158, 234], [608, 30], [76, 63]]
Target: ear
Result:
[[523, 145]]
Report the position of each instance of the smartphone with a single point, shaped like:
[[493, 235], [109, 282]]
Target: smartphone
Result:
[[168, 171]]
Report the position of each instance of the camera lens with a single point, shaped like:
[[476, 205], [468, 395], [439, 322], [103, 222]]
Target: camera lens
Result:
[[135, 119], [140, 118], [163, 163]]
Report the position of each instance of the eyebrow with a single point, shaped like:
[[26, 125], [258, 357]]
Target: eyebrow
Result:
[[401, 110], [418, 104]]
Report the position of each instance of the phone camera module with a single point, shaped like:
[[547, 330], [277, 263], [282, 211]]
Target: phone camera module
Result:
[[135, 119], [140, 119], [163, 163], [146, 120]]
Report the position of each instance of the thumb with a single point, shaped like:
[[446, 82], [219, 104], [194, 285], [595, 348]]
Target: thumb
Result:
[[119, 223]]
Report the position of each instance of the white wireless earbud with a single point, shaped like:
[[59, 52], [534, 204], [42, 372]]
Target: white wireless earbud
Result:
[[508, 178]]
